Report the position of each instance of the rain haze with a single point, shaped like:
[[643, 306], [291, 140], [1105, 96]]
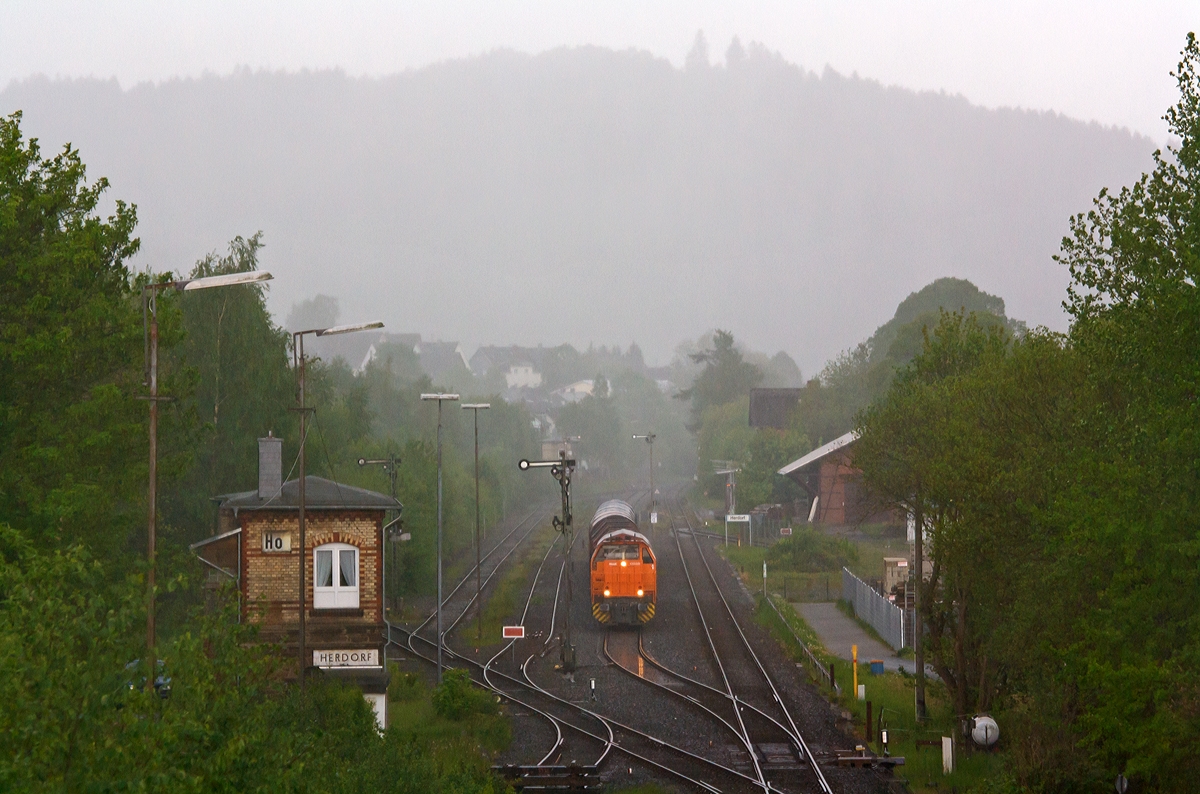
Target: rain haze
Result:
[[543, 173]]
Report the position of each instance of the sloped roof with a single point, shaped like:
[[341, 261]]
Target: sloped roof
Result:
[[819, 453], [319, 494]]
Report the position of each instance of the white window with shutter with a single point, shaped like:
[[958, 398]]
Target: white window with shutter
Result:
[[335, 576]]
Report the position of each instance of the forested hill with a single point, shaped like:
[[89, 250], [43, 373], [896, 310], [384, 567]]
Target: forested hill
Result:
[[564, 196]]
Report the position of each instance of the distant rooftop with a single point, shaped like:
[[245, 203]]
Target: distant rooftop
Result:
[[319, 494]]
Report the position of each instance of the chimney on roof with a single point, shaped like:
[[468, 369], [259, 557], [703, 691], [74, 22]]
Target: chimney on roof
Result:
[[270, 466]]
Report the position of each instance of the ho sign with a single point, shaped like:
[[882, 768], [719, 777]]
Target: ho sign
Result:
[[277, 541]]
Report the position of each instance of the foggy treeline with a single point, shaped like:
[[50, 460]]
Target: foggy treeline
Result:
[[585, 194]]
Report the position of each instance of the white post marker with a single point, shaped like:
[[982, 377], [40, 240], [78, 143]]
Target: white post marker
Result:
[[947, 755], [513, 633]]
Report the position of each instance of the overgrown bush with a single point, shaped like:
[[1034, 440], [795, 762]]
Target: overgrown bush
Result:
[[404, 687], [810, 551], [455, 698]]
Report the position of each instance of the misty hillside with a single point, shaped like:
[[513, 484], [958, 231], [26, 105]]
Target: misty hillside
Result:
[[590, 195]]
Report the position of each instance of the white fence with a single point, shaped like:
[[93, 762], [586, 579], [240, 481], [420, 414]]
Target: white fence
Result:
[[883, 616]]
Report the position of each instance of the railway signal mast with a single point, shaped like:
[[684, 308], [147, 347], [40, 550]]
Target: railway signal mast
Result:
[[730, 470], [561, 470], [650, 441]]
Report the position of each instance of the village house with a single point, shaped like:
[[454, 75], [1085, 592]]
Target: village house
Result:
[[257, 545]]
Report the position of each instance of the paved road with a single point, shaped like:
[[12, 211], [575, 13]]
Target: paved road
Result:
[[838, 633]]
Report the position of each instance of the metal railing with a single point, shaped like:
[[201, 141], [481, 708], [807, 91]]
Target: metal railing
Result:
[[882, 615]]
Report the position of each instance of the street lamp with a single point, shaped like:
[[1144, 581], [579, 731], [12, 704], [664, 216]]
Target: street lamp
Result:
[[476, 408], [298, 360], [650, 441], [440, 398], [150, 315]]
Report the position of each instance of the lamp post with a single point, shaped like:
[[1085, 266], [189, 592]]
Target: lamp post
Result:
[[150, 316], [650, 441], [476, 408], [440, 398], [561, 470], [299, 361]]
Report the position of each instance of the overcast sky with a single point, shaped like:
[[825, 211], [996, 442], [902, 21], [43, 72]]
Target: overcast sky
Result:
[[1102, 61]]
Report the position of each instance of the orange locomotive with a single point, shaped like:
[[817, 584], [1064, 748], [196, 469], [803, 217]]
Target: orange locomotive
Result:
[[623, 567]]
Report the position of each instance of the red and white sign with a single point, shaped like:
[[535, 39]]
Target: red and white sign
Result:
[[514, 632], [785, 531]]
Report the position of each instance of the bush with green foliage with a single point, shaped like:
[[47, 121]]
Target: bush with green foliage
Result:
[[77, 716], [810, 551], [455, 698]]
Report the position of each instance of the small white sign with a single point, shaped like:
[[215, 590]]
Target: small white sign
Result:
[[742, 518], [365, 658], [277, 541], [654, 518], [785, 531]]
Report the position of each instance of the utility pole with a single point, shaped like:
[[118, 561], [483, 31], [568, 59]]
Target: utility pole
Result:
[[440, 398], [299, 362], [561, 470], [390, 466], [150, 294], [918, 629], [476, 408]]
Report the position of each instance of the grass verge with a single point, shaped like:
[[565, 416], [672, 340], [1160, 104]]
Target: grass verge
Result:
[[892, 696], [507, 600]]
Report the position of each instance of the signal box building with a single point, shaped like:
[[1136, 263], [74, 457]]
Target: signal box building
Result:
[[834, 485], [258, 546]]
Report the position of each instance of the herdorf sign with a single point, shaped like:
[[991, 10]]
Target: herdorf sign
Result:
[[514, 632], [367, 658], [277, 541]]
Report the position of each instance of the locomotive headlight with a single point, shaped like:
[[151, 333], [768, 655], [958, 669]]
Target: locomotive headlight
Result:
[[641, 592], [624, 563], [607, 593]]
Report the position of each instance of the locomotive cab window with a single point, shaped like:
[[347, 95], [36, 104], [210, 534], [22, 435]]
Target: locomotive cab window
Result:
[[646, 558], [622, 551]]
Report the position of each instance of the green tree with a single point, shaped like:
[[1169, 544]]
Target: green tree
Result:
[[1134, 260], [726, 377], [243, 386], [70, 350]]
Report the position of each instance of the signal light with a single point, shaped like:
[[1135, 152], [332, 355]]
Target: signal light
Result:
[[624, 564], [640, 592], [606, 593]]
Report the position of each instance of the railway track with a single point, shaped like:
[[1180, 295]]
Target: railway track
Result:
[[748, 708], [609, 735], [765, 725]]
